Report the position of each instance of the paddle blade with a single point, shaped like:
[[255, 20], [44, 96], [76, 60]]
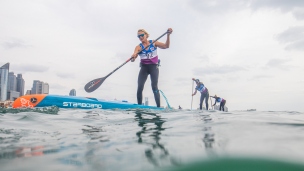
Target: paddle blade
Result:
[[94, 84]]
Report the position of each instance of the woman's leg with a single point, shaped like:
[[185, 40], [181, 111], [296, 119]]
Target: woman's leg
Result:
[[207, 98], [201, 101], [224, 102], [142, 77], [222, 106], [154, 72]]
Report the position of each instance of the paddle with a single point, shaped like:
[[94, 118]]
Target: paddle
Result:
[[192, 93], [211, 102], [94, 84]]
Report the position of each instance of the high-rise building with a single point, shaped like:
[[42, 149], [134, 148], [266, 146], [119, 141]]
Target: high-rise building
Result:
[[12, 88], [20, 84], [4, 81], [12, 95], [40, 87], [146, 101], [28, 92], [12, 82], [45, 88], [35, 88], [73, 92]]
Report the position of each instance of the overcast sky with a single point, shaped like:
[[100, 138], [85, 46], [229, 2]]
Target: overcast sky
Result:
[[251, 52]]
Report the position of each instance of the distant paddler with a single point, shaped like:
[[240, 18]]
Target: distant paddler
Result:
[[179, 107], [204, 92], [219, 100]]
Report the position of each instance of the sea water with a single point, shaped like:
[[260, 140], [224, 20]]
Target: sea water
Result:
[[134, 140]]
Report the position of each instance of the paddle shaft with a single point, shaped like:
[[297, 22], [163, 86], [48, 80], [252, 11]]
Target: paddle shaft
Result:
[[131, 57], [192, 95], [211, 103]]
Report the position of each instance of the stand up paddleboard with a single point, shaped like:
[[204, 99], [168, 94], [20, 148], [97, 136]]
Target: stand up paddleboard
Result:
[[45, 100]]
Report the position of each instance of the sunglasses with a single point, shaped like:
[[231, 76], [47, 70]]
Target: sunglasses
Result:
[[140, 35]]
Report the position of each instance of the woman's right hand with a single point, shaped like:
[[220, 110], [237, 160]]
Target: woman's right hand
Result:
[[134, 56]]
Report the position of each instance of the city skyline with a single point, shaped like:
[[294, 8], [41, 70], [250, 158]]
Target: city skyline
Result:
[[13, 86]]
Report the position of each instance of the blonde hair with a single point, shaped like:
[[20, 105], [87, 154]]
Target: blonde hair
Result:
[[143, 30]]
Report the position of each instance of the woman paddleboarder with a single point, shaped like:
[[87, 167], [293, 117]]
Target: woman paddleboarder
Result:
[[204, 92], [221, 101], [149, 62]]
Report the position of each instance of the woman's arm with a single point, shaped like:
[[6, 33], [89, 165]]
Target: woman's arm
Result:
[[135, 54], [214, 100], [194, 92], [167, 44]]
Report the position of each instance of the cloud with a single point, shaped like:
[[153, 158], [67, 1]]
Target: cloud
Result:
[[291, 34], [282, 5], [299, 14], [294, 6], [217, 6], [258, 77], [225, 69], [122, 56], [293, 37], [14, 43], [296, 46], [215, 80], [279, 63], [31, 68], [220, 6], [204, 58], [181, 81], [57, 86], [65, 75]]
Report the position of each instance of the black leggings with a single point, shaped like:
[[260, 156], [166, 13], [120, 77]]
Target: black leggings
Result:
[[222, 105], [205, 96], [145, 70]]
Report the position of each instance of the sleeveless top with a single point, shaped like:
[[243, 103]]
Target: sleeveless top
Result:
[[201, 88], [148, 55], [219, 99]]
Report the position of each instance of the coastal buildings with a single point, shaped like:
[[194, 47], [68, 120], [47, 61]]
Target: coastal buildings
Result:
[[15, 86], [20, 84], [12, 92], [39, 87], [4, 81], [72, 92], [12, 86], [28, 92], [12, 82]]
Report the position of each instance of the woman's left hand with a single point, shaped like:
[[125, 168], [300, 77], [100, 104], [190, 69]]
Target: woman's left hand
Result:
[[169, 31]]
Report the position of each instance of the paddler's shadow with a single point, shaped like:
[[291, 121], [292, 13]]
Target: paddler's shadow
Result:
[[152, 127], [208, 138]]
